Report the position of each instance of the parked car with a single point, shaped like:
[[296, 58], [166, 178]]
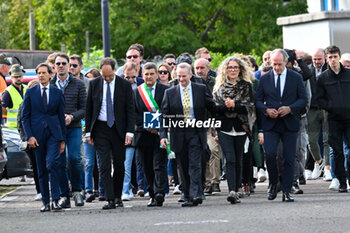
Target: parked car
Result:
[[18, 162], [3, 161]]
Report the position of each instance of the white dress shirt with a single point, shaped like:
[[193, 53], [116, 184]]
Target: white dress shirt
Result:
[[282, 79], [103, 112]]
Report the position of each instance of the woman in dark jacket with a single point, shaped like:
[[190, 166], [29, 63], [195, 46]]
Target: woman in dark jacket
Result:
[[233, 86]]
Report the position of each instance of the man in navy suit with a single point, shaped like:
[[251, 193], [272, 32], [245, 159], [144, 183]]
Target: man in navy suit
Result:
[[280, 97], [188, 101], [44, 126]]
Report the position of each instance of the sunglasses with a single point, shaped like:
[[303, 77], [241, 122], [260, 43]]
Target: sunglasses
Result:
[[163, 72], [129, 77], [209, 59], [132, 56], [59, 63], [171, 63], [74, 65]]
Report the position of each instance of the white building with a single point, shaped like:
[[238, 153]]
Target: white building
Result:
[[327, 23]]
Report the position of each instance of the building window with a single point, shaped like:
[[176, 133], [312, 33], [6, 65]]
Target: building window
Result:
[[324, 5], [335, 5]]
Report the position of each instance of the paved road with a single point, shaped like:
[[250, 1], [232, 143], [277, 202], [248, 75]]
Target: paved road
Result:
[[318, 210]]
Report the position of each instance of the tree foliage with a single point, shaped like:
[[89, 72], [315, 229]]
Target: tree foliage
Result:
[[161, 26]]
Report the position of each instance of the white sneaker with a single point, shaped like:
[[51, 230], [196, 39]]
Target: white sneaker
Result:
[[166, 195], [147, 194], [334, 185], [308, 174], [261, 175], [131, 194], [38, 197], [177, 190], [327, 175], [125, 197], [317, 170]]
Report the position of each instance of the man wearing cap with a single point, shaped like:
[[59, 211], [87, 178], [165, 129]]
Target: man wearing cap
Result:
[[4, 70], [13, 95]]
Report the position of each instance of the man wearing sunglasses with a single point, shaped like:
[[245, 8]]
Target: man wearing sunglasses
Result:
[[204, 53], [13, 95], [170, 60], [75, 67], [74, 92], [135, 55]]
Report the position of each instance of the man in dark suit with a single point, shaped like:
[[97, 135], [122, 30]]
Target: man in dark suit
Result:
[[187, 102], [44, 126], [110, 120], [153, 158], [280, 97]]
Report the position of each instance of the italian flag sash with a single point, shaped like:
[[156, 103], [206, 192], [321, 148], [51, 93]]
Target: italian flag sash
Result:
[[152, 106], [147, 98]]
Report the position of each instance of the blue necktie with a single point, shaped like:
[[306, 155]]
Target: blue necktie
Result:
[[44, 96], [110, 114], [150, 90], [278, 86]]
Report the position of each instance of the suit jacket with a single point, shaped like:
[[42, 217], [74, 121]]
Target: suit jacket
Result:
[[172, 105], [124, 105], [143, 137], [294, 95], [35, 118]]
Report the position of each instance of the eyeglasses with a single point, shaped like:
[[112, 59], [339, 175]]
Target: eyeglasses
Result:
[[129, 77], [209, 59], [132, 56], [171, 63], [163, 72], [74, 65], [233, 68], [16, 76], [59, 63]]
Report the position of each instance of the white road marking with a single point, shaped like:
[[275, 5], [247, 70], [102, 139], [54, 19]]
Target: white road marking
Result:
[[191, 222], [8, 198]]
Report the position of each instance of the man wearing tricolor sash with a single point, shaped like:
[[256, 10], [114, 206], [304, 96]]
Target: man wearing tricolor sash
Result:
[[148, 98]]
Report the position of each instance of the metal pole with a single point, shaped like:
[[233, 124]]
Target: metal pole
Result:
[[105, 28], [87, 45], [31, 31]]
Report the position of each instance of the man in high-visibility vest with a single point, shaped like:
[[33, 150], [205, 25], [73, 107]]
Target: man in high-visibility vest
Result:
[[13, 95]]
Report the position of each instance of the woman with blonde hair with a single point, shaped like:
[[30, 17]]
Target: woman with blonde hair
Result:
[[233, 87]]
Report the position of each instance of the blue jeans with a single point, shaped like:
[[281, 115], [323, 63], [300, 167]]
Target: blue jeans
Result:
[[89, 153], [331, 158], [129, 155], [75, 168]]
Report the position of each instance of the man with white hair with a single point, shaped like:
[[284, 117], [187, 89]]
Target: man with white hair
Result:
[[345, 60]]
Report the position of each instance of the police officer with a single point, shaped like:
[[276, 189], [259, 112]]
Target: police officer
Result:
[[13, 95]]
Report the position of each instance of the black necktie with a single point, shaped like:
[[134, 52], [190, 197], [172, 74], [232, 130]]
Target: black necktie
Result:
[[110, 114], [44, 96], [278, 86]]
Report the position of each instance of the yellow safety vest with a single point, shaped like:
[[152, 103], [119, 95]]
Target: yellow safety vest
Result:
[[16, 101]]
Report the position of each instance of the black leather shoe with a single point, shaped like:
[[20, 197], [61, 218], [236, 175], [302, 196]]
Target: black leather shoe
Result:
[[302, 180], [296, 189], [45, 208], [287, 197], [109, 205], [343, 187], [187, 203], [197, 201], [272, 192], [152, 203], [55, 206], [119, 202], [64, 202], [159, 199]]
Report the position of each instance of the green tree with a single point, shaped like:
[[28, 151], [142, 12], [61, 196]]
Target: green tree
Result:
[[162, 26]]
